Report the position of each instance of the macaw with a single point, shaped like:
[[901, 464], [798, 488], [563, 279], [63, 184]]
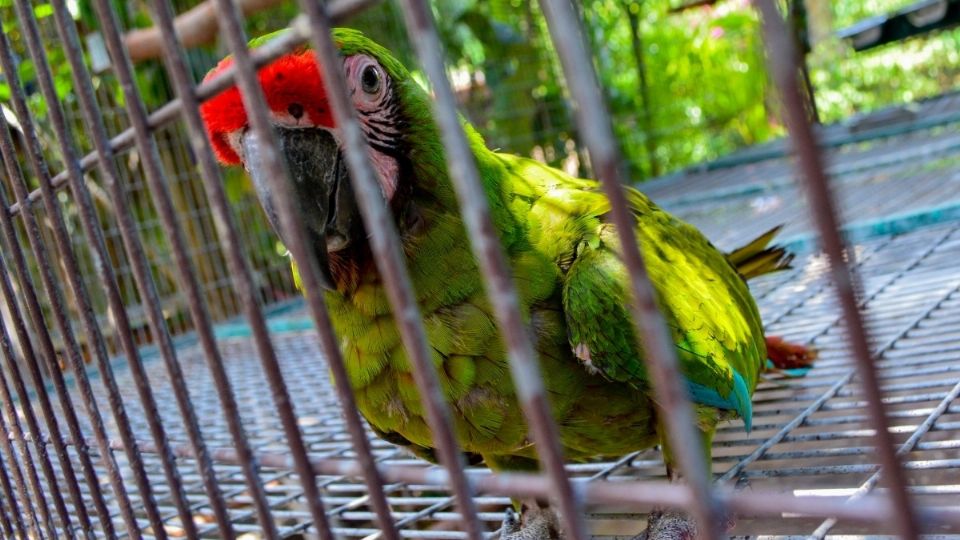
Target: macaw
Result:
[[565, 259]]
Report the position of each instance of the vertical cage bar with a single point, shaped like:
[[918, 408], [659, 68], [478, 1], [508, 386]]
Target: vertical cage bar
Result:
[[39, 326], [385, 245], [36, 509], [231, 25], [11, 467], [198, 308], [227, 232], [524, 364], [14, 469], [783, 63], [77, 287], [142, 274], [238, 266], [594, 121], [145, 285], [329, 346], [11, 514], [12, 246], [7, 501], [13, 427]]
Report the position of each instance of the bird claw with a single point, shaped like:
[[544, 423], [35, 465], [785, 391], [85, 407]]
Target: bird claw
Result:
[[511, 524], [668, 526], [534, 524]]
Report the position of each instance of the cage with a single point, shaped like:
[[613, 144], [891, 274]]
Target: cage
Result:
[[162, 376]]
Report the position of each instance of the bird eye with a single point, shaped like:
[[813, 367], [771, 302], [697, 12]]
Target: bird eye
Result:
[[370, 80]]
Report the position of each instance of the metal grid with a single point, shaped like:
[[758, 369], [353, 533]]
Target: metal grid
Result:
[[809, 435], [868, 175], [247, 461]]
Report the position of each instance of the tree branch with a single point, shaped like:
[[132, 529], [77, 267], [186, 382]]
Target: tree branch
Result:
[[196, 26]]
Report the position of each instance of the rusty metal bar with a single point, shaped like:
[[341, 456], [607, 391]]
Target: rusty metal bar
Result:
[[198, 309], [313, 290], [55, 295], [783, 62], [7, 502], [870, 509], [254, 102], [389, 259], [14, 427], [105, 272], [594, 121], [11, 246], [339, 10], [11, 464], [213, 183], [462, 167], [33, 305]]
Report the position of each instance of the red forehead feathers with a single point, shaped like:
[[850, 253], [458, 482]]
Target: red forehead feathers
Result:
[[291, 79]]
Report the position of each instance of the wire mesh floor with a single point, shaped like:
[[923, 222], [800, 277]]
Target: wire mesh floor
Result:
[[882, 184], [809, 433]]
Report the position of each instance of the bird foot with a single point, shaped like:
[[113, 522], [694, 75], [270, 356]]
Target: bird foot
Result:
[[533, 523], [668, 526], [672, 525]]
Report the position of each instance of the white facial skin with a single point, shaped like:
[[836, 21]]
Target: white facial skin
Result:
[[371, 92]]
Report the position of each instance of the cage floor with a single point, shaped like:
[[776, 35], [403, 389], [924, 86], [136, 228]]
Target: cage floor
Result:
[[883, 185], [809, 433]]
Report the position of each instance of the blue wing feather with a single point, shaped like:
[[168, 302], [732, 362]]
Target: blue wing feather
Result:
[[738, 399]]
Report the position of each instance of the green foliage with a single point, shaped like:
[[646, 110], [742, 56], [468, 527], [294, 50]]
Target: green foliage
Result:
[[682, 88], [849, 82], [704, 74]]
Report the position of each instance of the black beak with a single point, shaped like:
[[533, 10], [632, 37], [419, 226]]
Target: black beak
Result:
[[321, 186]]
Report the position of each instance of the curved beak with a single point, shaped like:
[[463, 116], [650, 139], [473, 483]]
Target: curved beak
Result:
[[321, 186]]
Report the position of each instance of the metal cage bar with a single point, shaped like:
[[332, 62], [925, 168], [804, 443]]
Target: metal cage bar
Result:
[[384, 242], [55, 295], [11, 464], [708, 502], [524, 364], [23, 396], [40, 513], [212, 181], [784, 65], [93, 117], [198, 309], [661, 357]]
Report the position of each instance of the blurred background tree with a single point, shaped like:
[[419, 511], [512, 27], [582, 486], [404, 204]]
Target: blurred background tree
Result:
[[684, 86]]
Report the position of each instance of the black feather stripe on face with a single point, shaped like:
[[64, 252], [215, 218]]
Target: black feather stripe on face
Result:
[[382, 125]]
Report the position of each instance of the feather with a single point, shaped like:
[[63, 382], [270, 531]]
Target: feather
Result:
[[737, 400]]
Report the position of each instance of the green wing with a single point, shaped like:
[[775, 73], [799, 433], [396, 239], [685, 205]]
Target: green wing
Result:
[[711, 315], [708, 307]]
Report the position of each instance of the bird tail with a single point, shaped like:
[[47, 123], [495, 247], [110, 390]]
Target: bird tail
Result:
[[789, 359], [759, 257]]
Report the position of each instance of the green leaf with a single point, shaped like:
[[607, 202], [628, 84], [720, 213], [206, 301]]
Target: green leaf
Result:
[[42, 11]]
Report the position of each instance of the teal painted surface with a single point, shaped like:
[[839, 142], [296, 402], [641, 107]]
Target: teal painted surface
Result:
[[861, 231]]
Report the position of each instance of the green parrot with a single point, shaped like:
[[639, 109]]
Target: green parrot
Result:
[[565, 258]]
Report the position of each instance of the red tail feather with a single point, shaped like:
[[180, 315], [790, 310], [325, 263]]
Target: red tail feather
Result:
[[786, 355]]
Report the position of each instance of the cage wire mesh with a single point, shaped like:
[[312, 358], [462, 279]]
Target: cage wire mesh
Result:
[[812, 436]]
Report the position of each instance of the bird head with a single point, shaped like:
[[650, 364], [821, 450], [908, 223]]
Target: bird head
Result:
[[393, 111]]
